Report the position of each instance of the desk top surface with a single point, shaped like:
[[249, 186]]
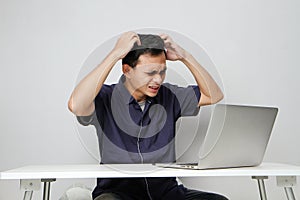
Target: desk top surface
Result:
[[141, 170]]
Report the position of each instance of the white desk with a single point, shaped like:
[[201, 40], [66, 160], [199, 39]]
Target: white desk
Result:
[[30, 176]]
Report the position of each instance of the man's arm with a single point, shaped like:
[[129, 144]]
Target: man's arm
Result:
[[81, 102], [210, 91]]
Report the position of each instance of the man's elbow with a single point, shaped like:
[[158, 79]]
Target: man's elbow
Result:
[[78, 109], [217, 98], [71, 105], [205, 100]]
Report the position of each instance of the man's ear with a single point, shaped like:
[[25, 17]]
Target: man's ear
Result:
[[126, 70]]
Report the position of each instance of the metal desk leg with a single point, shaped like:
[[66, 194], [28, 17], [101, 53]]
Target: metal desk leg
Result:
[[287, 182], [28, 195], [289, 193], [261, 186], [46, 192]]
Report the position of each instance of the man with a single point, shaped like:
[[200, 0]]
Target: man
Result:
[[135, 118]]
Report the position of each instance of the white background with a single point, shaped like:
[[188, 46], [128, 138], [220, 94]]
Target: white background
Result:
[[43, 45]]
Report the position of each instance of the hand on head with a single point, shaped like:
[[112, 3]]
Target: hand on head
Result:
[[128, 40], [125, 43], [174, 51]]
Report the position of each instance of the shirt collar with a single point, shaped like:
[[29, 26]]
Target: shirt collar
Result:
[[127, 98]]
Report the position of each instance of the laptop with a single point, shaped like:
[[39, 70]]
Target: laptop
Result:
[[237, 136]]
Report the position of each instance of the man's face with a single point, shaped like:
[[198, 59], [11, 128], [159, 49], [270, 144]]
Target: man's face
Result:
[[146, 78]]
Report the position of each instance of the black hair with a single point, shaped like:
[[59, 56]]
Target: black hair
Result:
[[150, 44]]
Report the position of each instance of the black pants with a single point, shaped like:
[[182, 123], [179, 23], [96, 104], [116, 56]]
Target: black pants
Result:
[[189, 195]]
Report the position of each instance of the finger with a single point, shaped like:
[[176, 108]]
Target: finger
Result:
[[136, 39], [138, 42], [167, 40], [163, 36]]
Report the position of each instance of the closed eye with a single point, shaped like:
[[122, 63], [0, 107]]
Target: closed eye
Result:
[[163, 72], [152, 73]]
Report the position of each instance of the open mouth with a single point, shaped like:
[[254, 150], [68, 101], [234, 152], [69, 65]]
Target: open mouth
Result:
[[154, 88]]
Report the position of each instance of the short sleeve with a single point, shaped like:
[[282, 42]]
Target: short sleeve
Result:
[[188, 99], [87, 120], [101, 100]]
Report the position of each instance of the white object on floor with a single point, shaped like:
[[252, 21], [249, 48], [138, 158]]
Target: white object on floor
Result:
[[77, 192]]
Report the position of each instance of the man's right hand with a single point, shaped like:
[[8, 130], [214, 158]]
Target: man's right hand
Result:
[[125, 43]]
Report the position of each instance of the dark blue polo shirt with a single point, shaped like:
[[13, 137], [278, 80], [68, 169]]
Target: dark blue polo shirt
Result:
[[128, 134]]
